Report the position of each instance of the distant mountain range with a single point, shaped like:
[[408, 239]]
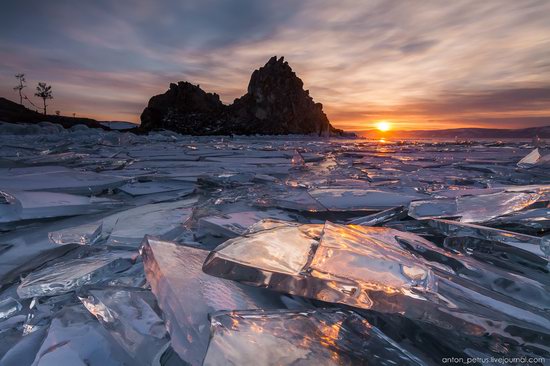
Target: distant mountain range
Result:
[[464, 133]]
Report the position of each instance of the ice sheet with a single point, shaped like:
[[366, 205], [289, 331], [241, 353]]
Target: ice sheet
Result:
[[57, 179], [186, 295], [73, 274], [132, 318], [473, 286], [83, 234], [74, 338]]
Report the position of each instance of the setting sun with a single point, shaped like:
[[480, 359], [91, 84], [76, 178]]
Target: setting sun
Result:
[[383, 126]]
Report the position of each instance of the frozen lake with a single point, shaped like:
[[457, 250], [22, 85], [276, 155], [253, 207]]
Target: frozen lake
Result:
[[334, 251]]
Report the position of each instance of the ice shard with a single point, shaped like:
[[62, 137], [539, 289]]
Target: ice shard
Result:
[[85, 234], [69, 275], [309, 337], [57, 179], [229, 225], [504, 256], [437, 208], [21, 205], [76, 338], [186, 295], [485, 207], [292, 199], [395, 213], [391, 272], [328, 262], [476, 208], [297, 159], [350, 199], [132, 318], [524, 242], [144, 188], [127, 228], [24, 351], [533, 221], [530, 159], [8, 307]]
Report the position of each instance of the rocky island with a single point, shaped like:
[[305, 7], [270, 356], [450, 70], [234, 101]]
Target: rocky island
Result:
[[275, 103]]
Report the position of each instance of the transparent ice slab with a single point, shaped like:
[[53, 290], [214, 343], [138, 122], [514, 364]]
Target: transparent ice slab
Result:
[[520, 241], [231, 224], [395, 213], [85, 234], [391, 272], [144, 188], [360, 199], [9, 307], [292, 199], [329, 262], [530, 159], [186, 295], [534, 221], [76, 338], [132, 318], [485, 207], [21, 205], [476, 208], [127, 228], [309, 337], [297, 159], [504, 256], [57, 179], [24, 351], [70, 275]]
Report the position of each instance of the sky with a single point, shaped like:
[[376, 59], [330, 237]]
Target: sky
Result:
[[418, 64]]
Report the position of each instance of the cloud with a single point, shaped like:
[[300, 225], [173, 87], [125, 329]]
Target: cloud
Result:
[[418, 46], [443, 62], [495, 101]]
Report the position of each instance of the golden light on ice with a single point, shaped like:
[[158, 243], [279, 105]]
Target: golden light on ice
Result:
[[383, 126]]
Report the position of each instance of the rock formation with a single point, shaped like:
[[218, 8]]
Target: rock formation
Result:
[[275, 103], [12, 112], [184, 108]]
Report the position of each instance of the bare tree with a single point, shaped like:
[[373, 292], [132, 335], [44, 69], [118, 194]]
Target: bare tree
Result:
[[21, 79], [45, 92]]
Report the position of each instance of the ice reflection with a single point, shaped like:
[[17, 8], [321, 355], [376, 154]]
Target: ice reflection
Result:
[[313, 337]]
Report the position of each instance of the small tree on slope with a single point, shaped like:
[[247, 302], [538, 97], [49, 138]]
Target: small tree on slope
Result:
[[19, 87], [45, 92]]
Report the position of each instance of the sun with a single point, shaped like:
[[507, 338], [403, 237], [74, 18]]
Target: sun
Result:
[[383, 126]]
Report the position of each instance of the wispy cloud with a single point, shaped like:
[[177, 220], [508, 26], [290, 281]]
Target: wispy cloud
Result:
[[436, 63]]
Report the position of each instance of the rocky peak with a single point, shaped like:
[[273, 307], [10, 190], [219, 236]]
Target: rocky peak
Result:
[[183, 101], [275, 73], [276, 103]]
